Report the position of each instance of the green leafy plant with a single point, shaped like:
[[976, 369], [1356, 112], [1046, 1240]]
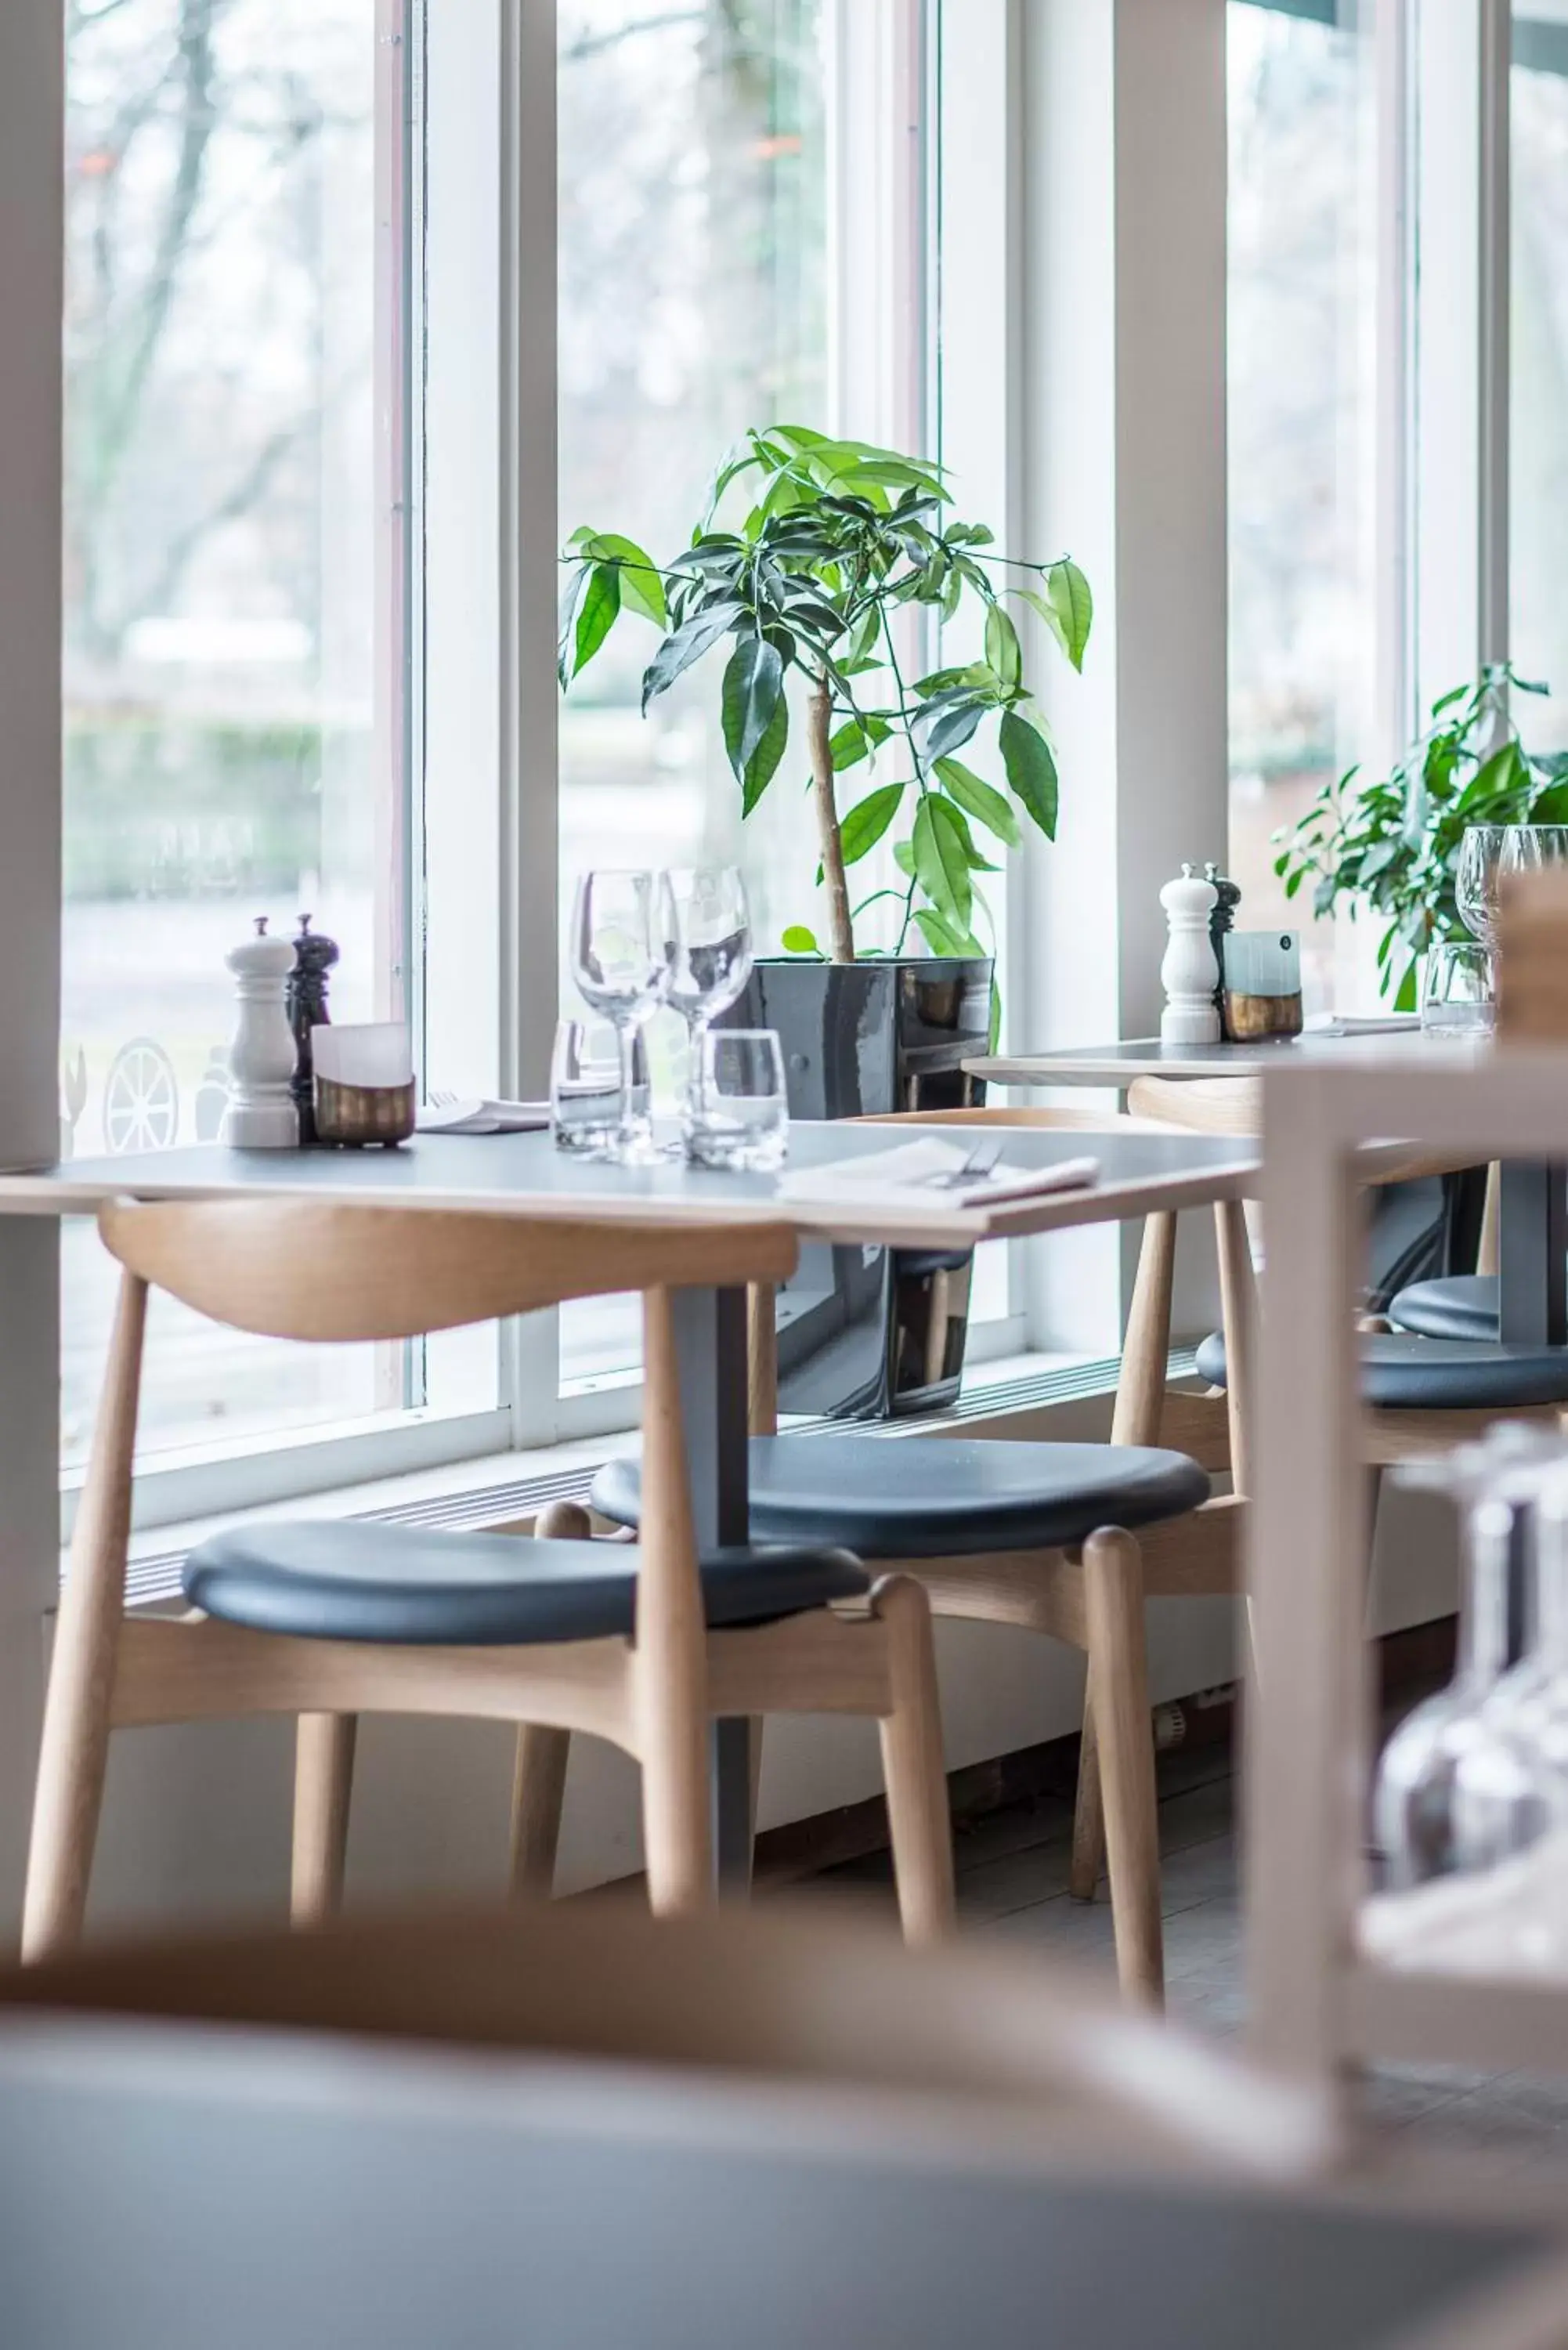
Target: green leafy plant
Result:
[[1394, 845], [836, 538]]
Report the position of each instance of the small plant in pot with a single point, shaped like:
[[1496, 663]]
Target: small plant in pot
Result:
[[1393, 844], [808, 552]]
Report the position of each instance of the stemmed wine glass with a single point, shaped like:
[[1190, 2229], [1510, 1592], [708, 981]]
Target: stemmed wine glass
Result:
[[1531, 847], [622, 959], [1476, 880], [712, 959]]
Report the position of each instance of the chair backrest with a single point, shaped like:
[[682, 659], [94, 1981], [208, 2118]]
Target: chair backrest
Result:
[[304, 1269], [1532, 958], [1061, 1121], [1200, 1105], [785, 1994]]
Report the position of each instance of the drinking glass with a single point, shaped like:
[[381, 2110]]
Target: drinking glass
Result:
[[622, 957], [585, 1087], [712, 960], [736, 1114], [1533, 848], [1476, 880], [1451, 1789], [1457, 998]]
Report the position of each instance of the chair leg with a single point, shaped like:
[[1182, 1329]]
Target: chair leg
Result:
[[1118, 1677], [323, 1782], [1088, 1862], [1141, 1399], [538, 1787], [920, 1825], [74, 1755]]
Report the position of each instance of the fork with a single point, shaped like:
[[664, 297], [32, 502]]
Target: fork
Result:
[[981, 1161]]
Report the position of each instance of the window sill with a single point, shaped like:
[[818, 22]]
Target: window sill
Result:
[[1034, 1394]]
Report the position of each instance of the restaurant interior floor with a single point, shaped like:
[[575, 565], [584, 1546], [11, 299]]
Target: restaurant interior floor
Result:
[[1013, 1882]]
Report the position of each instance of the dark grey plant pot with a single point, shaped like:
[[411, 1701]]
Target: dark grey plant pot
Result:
[[873, 1333]]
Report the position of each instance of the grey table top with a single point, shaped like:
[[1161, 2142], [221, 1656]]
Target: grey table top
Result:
[[525, 1174], [167, 2188], [1147, 1056]]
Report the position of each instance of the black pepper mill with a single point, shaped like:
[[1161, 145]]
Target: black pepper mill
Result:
[[1226, 898], [305, 994]]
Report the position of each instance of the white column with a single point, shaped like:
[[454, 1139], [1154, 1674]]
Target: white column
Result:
[[31, 186], [1462, 341], [1122, 227]]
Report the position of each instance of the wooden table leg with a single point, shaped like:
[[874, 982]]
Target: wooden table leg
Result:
[[711, 1355]]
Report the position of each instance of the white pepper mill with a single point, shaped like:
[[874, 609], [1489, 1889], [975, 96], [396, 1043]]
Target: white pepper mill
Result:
[[1189, 973], [261, 1114]]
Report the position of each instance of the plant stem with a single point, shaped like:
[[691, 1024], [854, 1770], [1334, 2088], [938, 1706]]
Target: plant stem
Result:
[[819, 734]]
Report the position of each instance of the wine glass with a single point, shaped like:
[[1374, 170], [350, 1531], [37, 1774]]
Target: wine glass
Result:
[[1450, 1794], [712, 948], [1476, 880], [622, 960], [1533, 847]]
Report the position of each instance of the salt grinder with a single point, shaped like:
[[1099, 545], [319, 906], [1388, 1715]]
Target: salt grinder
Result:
[[261, 1115], [304, 996], [1189, 974]]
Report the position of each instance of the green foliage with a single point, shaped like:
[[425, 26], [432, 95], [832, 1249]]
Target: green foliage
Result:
[[1394, 845], [831, 539]]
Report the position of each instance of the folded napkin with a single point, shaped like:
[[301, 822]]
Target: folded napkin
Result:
[[932, 1171], [484, 1117], [1376, 1024]]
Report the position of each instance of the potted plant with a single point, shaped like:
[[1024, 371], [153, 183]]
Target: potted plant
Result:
[[1394, 845], [809, 553]]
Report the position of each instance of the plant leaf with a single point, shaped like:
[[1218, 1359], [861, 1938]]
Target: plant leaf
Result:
[[598, 616], [754, 681], [904, 858], [856, 739], [641, 584], [939, 935], [689, 642], [1071, 600], [764, 764], [799, 940], [868, 820], [984, 803], [1030, 769], [1002, 651], [942, 868], [946, 724]]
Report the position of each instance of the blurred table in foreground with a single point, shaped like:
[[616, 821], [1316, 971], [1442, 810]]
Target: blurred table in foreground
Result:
[[178, 2187]]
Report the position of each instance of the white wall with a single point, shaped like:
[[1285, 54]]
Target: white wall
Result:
[[32, 179]]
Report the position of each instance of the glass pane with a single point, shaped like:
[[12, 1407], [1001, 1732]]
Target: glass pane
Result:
[[1538, 523], [694, 187], [221, 759], [1301, 221]]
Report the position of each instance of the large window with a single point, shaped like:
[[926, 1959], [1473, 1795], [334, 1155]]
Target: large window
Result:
[[1538, 516], [222, 754], [1302, 243], [694, 205]]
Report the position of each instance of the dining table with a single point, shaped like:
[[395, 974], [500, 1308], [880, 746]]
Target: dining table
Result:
[[174, 2185], [1533, 1216], [525, 1175]]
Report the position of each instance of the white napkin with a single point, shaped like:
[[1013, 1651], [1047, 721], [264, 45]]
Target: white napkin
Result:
[[1376, 1024], [484, 1117], [928, 1173]]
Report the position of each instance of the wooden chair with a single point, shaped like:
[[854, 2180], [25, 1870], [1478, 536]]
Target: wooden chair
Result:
[[330, 1620], [1033, 1534]]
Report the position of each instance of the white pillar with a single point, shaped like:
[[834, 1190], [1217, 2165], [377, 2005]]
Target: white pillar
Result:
[[1122, 233], [31, 186]]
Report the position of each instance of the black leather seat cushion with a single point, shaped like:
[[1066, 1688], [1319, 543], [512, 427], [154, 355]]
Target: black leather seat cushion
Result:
[[953, 1498], [359, 1581], [1400, 1373], [1461, 1306]]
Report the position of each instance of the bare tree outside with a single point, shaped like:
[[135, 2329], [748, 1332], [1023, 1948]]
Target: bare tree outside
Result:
[[218, 597]]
